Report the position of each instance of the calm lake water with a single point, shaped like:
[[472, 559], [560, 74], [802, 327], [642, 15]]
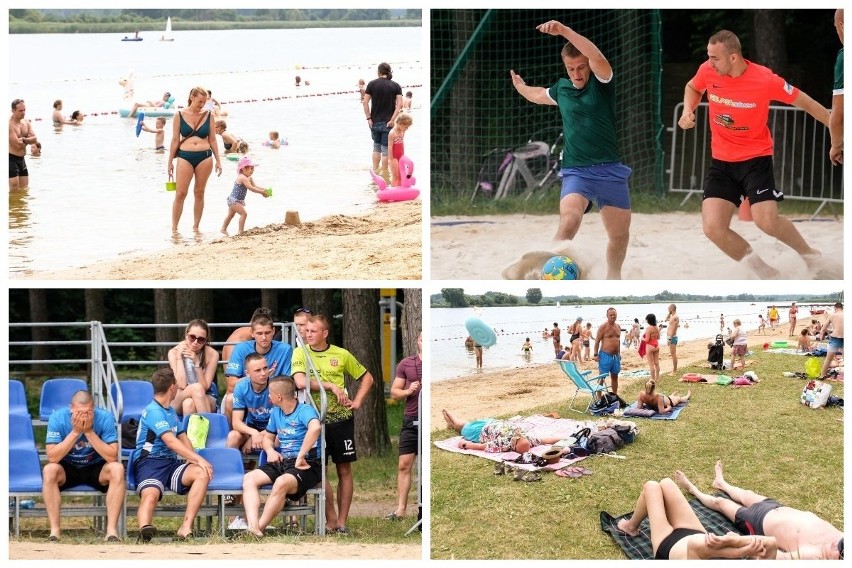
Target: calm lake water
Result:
[[449, 358], [98, 191]]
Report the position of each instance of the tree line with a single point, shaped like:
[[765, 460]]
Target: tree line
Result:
[[355, 314], [205, 15]]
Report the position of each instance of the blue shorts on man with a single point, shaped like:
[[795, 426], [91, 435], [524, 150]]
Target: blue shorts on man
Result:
[[608, 363]]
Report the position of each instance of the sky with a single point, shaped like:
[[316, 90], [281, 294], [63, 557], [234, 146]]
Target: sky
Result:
[[598, 288]]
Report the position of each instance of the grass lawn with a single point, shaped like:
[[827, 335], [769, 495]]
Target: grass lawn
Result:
[[766, 439]]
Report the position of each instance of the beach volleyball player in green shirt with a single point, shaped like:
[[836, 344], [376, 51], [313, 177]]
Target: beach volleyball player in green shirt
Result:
[[591, 161]]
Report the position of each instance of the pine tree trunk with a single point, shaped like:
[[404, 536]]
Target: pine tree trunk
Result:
[[412, 320], [39, 314], [94, 298], [361, 338], [165, 312], [269, 299]]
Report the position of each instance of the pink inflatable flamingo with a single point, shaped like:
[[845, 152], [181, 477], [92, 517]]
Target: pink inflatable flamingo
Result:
[[405, 190]]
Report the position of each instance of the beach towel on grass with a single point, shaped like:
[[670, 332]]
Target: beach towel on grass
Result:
[[785, 351], [537, 426], [657, 416], [639, 547]]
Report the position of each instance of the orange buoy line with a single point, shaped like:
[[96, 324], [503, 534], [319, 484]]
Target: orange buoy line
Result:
[[254, 100]]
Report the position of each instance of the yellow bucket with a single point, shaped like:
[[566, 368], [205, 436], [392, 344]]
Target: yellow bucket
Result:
[[171, 185]]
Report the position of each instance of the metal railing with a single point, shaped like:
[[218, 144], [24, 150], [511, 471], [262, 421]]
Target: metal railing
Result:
[[801, 143]]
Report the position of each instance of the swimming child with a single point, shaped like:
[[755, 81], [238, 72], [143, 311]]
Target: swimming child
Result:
[[77, 117], [35, 149], [159, 133], [243, 184], [396, 138], [527, 347], [273, 141]]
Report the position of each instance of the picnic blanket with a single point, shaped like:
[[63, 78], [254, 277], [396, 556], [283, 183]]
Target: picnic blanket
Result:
[[639, 547], [657, 416], [537, 426]]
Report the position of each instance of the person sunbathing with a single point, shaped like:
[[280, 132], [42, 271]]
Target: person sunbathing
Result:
[[799, 534], [493, 436], [649, 399], [677, 534], [805, 343]]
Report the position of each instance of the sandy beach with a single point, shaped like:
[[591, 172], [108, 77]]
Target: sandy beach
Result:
[[312, 550], [663, 246], [506, 392], [383, 244]]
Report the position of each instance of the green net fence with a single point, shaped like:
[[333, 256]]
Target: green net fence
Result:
[[480, 124]]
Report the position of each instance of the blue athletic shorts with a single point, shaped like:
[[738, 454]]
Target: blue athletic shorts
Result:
[[603, 184], [609, 363], [164, 474], [673, 340], [835, 342]]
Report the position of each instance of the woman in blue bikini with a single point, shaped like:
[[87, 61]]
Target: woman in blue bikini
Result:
[[677, 534], [194, 144]]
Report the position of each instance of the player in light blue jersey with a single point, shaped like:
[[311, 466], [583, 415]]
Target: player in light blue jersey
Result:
[[82, 449], [159, 442]]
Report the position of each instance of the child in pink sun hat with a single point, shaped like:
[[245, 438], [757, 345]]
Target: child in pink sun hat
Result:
[[242, 185]]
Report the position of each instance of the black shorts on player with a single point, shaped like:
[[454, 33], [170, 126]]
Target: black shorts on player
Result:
[[752, 178]]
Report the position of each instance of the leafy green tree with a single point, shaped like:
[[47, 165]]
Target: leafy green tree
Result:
[[455, 297], [534, 295]]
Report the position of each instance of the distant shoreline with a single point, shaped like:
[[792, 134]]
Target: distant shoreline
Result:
[[156, 27]]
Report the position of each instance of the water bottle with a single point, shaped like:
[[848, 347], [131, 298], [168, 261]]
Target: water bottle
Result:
[[191, 379], [27, 504]]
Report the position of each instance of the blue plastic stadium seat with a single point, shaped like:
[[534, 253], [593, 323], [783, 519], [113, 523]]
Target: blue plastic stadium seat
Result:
[[228, 469], [24, 471], [135, 395], [21, 432], [218, 433], [18, 399], [57, 393]]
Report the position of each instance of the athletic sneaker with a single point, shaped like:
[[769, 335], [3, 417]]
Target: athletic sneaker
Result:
[[238, 524]]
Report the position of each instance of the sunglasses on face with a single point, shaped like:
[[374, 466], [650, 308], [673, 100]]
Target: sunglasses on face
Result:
[[196, 338], [304, 311]]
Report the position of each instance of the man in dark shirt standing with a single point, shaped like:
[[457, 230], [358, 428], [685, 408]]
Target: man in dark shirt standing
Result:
[[386, 97]]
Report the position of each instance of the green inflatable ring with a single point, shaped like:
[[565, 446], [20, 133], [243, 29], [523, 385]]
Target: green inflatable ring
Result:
[[780, 344]]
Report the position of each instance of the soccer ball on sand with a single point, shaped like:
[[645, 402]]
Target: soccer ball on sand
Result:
[[560, 268]]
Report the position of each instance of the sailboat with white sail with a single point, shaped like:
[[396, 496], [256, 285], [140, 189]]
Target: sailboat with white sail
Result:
[[167, 36]]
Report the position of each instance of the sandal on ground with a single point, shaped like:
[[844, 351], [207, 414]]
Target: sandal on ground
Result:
[[531, 476], [112, 538], [147, 532], [342, 531]]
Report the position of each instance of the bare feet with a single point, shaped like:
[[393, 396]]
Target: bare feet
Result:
[[224, 231], [719, 480], [688, 394], [684, 483], [624, 526], [451, 422]]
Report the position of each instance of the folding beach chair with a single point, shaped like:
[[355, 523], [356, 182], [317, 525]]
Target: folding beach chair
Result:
[[583, 383]]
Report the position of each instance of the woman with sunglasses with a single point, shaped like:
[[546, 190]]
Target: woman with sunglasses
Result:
[[198, 393]]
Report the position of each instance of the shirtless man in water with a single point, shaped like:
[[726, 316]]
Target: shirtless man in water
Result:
[[674, 322], [20, 135], [799, 534], [608, 348]]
